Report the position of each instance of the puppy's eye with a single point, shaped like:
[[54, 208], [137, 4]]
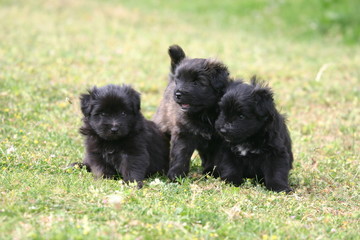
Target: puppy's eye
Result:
[[241, 117], [195, 83], [123, 114]]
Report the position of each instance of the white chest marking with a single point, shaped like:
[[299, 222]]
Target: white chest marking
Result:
[[243, 151]]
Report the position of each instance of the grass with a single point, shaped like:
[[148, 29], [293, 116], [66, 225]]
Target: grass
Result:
[[51, 51]]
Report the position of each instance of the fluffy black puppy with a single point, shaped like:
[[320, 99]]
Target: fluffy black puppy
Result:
[[257, 142], [189, 108], [119, 141]]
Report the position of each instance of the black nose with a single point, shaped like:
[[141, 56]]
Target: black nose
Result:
[[178, 94], [223, 130], [114, 129]]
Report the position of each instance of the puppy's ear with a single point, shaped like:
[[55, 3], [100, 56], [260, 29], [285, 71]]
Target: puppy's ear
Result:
[[85, 101], [176, 55], [134, 98], [136, 102], [265, 106], [220, 76]]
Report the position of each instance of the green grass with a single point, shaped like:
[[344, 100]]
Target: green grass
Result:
[[51, 51]]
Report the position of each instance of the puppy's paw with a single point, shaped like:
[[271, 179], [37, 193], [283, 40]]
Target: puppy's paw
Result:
[[288, 190], [78, 165], [174, 175], [134, 183], [140, 184], [285, 189]]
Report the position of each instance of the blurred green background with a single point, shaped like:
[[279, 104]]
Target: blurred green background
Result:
[[295, 19]]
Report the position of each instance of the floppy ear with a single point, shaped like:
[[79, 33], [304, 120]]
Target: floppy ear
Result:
[[265, 106], [220, 76], [85, 100], [134, 98], [85, 104], [176, 55], [136, 102]]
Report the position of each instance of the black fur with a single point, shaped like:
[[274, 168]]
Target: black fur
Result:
[[189, 109], [119, 141], [257, 142]]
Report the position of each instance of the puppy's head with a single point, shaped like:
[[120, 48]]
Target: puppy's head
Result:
[[200, 83], [245, 111], [111, 111]]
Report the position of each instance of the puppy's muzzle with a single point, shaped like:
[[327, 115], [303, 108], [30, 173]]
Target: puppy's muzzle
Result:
[[222, 130], [225, 129], [178, 94], [114, 129]]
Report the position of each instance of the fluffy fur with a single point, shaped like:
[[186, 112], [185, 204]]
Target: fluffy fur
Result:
[[257, 142], [188, 110], [119, 141]]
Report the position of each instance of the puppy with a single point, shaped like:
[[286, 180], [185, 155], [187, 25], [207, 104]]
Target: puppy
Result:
[[189, 108], [119, 141], [257, 142]]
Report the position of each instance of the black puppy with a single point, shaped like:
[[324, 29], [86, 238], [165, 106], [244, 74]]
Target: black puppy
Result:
[[257, 142], [189, 108], [119, 141]]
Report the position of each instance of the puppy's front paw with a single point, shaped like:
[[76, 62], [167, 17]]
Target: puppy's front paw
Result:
[[135, 183], [288, 190], [285, 189], [174, 174], [78, 165], [140, 184]]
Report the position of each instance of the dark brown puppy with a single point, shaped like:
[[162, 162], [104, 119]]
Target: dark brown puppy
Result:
[[257, 142], [189, 108], [119, 141]]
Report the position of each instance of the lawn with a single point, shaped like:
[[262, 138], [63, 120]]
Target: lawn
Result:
[[51, 51]]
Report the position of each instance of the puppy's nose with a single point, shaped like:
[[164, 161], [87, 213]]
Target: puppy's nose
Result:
[[227, 126], [223, 130], [178, 94], [114, 129]]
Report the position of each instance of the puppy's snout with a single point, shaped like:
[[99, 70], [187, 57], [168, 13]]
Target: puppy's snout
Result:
[[178, 94], [227, 125], [223, 130], [114, 129], [226, 128]]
